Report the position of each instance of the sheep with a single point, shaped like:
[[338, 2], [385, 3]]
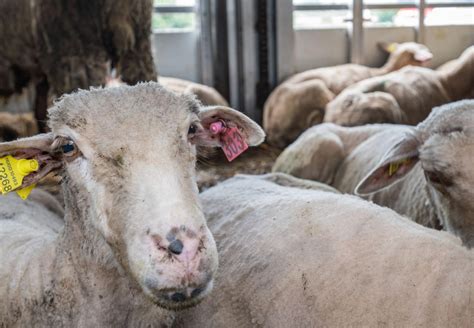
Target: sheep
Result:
[[14, 126], [299, 102], [405, 96], [311, 258], [433, 159], [133, 243], [62, 46], [208, 96]]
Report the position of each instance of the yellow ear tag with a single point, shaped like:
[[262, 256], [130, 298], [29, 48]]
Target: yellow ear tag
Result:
[[12, 173], [391, 47], [393, 167]]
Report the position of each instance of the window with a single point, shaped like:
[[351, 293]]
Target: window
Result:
[[316, 14], [310, 14], [174, 15]]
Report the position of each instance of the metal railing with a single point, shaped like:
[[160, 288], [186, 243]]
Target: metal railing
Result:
[[162, 9], [357, 26], [407, 4]]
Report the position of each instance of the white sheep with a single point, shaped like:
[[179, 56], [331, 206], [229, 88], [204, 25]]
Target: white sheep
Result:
[[133, 241], [405, 96], [208, 96], [299, 102], [434, 159], [306, 258]]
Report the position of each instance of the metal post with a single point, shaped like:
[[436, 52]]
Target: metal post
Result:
[[205, 42], [357, 35], [235, 60], [285, 53], [420, 33]]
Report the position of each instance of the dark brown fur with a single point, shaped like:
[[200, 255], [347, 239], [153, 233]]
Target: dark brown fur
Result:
[[68, 44]]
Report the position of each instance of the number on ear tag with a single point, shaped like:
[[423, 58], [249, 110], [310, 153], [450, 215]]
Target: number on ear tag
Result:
[[233, 143]]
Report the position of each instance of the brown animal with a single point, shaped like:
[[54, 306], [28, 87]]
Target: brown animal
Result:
[[403, 97], [299, 102], [14, 126], [65, 45]]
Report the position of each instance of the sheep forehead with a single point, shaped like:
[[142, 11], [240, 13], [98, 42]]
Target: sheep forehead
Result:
[[126, 115], [449, 118]]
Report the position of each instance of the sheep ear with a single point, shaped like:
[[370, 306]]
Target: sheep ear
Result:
[[423, 55], [395, 165], [387, 46], [41, 142], [250, 131], [39, 146]]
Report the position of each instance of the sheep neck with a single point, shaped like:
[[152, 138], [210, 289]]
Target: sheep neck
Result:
[[391, 65], [86, 264], [458, 81]]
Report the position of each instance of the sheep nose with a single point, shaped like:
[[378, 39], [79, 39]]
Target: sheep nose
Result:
[[176, 246]]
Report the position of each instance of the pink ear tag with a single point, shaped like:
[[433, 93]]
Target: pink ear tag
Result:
[[233, 143]]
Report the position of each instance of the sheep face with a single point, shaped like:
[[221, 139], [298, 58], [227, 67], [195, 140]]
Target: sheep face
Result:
[[446, 160], [443, 145], [128, 156], [408, 53]]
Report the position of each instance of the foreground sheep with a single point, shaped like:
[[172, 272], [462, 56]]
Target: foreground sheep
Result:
[[404, 97], [304, 258], [435, 157], [61, 46], [133, 240], [299, 102]]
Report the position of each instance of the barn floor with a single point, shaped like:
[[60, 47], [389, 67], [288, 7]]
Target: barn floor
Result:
[[214, 167]]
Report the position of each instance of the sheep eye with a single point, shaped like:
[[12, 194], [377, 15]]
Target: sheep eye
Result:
[[437, 178], [433, 177], [192, 129], [68, 148]]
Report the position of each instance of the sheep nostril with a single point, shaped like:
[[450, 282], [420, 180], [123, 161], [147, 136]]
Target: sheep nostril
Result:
[[178, 297], [197, 292], [176, 247]]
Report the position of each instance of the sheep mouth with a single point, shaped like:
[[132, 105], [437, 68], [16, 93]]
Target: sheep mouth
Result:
[[179, 299], [177, 306]]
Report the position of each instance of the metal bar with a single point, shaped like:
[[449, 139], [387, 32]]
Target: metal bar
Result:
[[285, 40], [391, 5], [205, 42], [449, 4], [220, 51], [321, 7], [234, 42], [410, 4], [420, 32], [174, 9], [357, 35]]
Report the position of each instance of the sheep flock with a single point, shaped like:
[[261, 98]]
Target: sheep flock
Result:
[[359, 213]]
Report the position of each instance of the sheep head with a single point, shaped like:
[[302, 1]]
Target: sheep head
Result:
[[443, 145], [127, 156], [404, 54]]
